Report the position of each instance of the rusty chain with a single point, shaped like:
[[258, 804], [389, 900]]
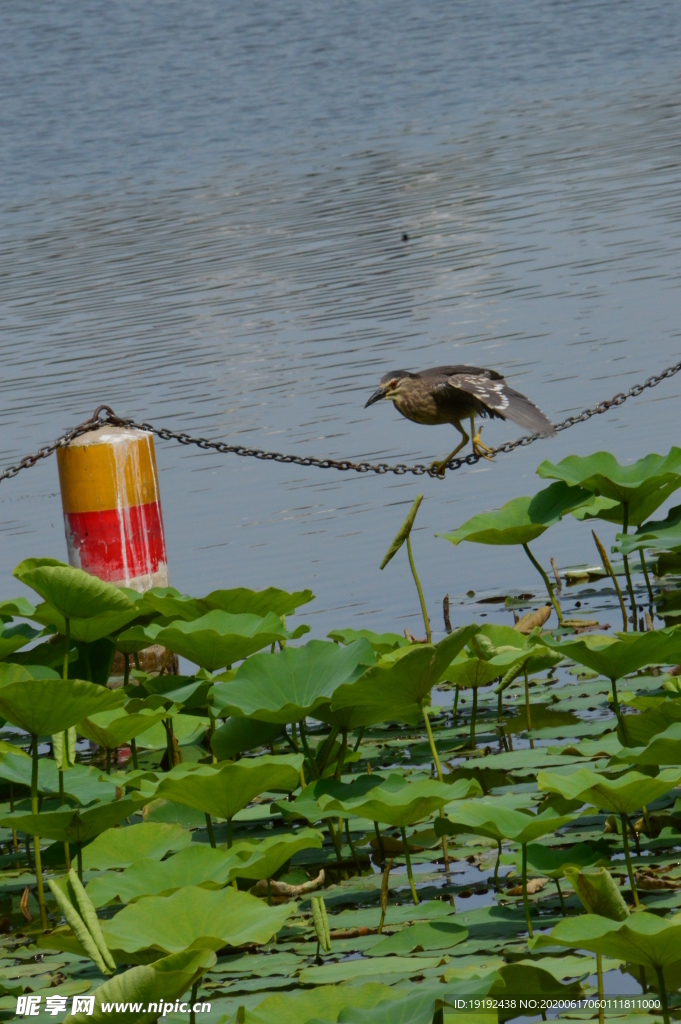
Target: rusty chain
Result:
[[104, 416]]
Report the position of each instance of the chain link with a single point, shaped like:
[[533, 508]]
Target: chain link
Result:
[[104, 415]]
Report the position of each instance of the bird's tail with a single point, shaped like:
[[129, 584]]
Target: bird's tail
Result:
[[521, 411]]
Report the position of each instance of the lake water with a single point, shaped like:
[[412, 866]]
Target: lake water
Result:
[[202, 210]]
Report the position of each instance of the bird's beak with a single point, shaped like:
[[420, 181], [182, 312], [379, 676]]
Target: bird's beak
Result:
[[376, 397]]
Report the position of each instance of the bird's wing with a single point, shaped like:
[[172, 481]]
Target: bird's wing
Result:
[[498, 397]]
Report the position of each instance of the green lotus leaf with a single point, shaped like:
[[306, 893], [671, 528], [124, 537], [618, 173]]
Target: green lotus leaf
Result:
[[45, 706], [467, 671], [74, 824], [111, 729], [198, 864], [357, 970], [215, 640], [93, 627], [598, 893], [665, 748], [382, 643], [313, 1004], [490, 818], [403, 532], [187, 730], [166, 980], [399, 684], [295, 683], [171, 604], [614, 658], [394, 801], [17, 607], [553, 861], [82, 783], [238, 735], [75, 594], [521, 520], [120, 847], [618, 796], [656, 535], [640, 729], [223, 790], [643, 486], [421, 937], [640, 938], [193, 918], [13, 638]]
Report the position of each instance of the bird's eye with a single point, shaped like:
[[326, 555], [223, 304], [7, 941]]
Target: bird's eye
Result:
[[393, 383]]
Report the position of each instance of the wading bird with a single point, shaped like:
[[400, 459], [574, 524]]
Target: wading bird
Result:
[[449, 394]]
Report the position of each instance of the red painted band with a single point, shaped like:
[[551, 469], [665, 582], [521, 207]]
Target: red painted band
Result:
[[117, 544]]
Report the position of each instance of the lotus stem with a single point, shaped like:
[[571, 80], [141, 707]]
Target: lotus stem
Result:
[[379, 837], [560, 897], [192, 1012], [359, 740], [408, 860], [353, 851], [88, 666], [426, 623], [341, 756], [601, 1000], [133, 751], [611, 573], [616, 702], [547, 584], [456, 699], [211, 833], [211, 731], [36, 839], [334, 839], [126, 671], [293, 738], [65, 669], [302, 779], [67, 852], [136, 658], [630, 588], [474, 712], [526, 902], [15, 843], [627, 857], [325, 749], [308, 754], [527, 706], [663, 994], [438, 768], [108, 761], [229, 833], [384, 893], [644, 569], [28, 852], [269, 892], [79, 858], [496, 866], [646, 819]]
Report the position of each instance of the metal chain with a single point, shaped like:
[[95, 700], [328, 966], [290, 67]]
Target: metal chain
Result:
[[104, 415]]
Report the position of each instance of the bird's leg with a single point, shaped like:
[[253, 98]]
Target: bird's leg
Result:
[[440, 467], [478, 447]]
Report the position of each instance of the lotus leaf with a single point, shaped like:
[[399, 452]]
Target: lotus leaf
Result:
[[296, 682], [352, 970], [164, 981], [45, 706], [553, 861], [392, 801], [75, 594], [398, 686], [421, 937], [118, 848], [17, 607], [303, 1005], [72, 824], [81, 783], [193, 918], [216, 639], [111, 729], [467, 671], [643, 486], [619, 796], [656, 535], [382, 643], [640, 938], [521, 520], [614, 658], [94, 627], [490, 818], [221, 791], [171, 604], [240, 734], [598, 893], [640, 729], [13, 638], [665, 748]]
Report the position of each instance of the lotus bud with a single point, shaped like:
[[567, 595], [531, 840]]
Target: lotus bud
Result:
[[321, 923], [598, 892]]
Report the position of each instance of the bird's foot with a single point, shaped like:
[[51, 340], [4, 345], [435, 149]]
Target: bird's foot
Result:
[[438, 469], [481, 449]]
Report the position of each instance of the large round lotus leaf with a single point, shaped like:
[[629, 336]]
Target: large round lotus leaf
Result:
[[194, 918], [73, 593], [466, 671], [656, 535], [392, 801], [74, 825], [187, 730], [290, 685], [45, 706], [94, 627], [223, 790], [665, 748], [640, 729], [111, 729], [166, 980], [640, 939], [121, 847], [615, 658], [213, 641], [301, 1005], [17, 607], [382, 643], [82, 783], [492, 819], [643, 485], [424, 936], [238, 735], [521, 520], [400, 683], [553, 860], [13, 638], [240, 600], [619, 796]]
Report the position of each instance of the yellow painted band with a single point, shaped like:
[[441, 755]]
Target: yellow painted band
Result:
[[116, 471]]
